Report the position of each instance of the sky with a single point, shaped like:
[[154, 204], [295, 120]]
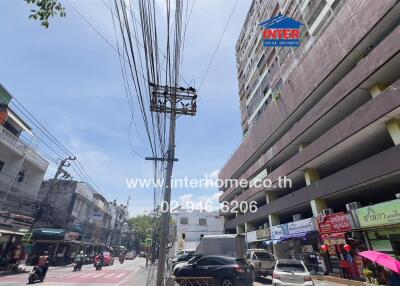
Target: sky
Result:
[[69, 78]]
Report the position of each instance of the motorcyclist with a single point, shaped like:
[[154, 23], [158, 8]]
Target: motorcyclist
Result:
[[99, 258], [79, 259], [43, 264], [122, 257]]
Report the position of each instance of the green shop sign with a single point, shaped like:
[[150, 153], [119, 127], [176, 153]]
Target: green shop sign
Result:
[[379, 214], [5, 96]]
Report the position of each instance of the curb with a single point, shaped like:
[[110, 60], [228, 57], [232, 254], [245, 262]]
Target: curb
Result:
[[338, 280]]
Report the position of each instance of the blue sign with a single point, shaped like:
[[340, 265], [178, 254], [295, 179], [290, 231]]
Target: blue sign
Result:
[[281, 31]]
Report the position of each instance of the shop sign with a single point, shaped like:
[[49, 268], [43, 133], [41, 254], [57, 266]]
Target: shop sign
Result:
[[263, 233], [72, 235], [333, 223], [97, 215], [278, 231], [27, 237], [301, 226], [379, 214], [251, 236]]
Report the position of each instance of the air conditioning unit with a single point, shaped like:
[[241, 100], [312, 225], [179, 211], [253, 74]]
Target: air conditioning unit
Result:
[[297, 217], [327, 211], [353, 206]]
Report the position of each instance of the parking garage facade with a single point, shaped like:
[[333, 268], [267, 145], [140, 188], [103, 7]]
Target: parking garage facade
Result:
[[331, 124]]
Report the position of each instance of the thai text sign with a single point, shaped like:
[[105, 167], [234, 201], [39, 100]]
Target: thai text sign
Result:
[[332, 223], [379, 214], [301, 226]]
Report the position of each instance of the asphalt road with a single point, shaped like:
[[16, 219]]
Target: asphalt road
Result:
[[131, 273]]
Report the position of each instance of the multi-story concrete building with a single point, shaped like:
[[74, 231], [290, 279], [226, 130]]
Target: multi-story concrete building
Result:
[[76, 218], [22, 168], [192, 225], [325, 114], [119, 231]]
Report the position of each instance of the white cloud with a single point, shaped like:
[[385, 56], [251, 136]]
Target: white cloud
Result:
[[210, 202]]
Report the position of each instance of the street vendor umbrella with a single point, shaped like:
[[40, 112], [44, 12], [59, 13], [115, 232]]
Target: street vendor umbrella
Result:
[[382, 259]]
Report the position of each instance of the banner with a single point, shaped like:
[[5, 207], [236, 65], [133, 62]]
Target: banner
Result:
[[380, 214], [338, 222], [301, 226]]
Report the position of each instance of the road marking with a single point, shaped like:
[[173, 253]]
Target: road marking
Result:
[[109, 275], [99, 275], [119, 275], [89, 274], [125, 281]]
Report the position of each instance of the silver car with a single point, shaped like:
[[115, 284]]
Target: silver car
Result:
[[261, 261], [291, 272]]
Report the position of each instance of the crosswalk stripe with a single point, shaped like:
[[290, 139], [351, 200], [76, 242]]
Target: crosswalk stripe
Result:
[[89, 274], [119, 275], [99, 275], [109, 275]]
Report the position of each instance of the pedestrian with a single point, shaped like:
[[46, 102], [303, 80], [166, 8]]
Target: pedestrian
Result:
[[394, 279], [43, 264]]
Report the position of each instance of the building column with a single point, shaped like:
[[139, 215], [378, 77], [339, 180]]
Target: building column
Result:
[[240, 229], [377, 89], [273, 219], [302, 146], [311, 176], [270, 197], [248, 227], [393, 127], [317, 206]]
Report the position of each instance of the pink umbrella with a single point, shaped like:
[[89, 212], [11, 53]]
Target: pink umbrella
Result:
[[382, 259]]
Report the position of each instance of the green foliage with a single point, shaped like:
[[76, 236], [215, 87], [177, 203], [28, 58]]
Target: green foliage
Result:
[[368, 274], [46, 9], [143, 225]]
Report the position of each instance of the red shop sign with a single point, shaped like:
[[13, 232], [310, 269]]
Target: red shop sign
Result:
[[338, 222]]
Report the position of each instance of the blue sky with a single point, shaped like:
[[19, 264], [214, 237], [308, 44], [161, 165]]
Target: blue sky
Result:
[[71, 81]]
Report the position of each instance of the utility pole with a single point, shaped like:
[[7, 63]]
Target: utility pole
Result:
[[66, 175], [175, 101]]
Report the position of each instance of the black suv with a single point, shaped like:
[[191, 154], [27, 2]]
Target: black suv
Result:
[[224, 271]]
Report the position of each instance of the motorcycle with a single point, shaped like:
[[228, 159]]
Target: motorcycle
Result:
[[98, 265], [121, 260], [78, 266], [35, 275]]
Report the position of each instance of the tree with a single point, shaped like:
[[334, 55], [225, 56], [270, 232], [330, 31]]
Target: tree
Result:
[[143, 226], [45, 9]]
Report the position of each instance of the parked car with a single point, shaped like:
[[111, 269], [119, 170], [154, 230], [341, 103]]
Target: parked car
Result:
[[291, 272], [184, 258], [262, 262], [225, 271], [108, 259], [142, 254], [184, 251], [129, 255]]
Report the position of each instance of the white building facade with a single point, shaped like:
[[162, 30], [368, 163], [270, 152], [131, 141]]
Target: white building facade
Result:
[[192, 225]]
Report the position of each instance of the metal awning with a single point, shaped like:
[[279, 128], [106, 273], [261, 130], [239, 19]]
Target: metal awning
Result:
[[18, 120], [8, 231]]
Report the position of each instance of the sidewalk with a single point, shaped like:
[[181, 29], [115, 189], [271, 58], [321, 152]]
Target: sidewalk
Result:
[[339, 280]]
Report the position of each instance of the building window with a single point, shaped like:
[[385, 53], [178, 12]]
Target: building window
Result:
[[184, 220], [202, 221], [1, 165]]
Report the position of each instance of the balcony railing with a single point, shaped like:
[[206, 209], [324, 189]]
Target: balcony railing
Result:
[[20, 147], [12, 141]]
